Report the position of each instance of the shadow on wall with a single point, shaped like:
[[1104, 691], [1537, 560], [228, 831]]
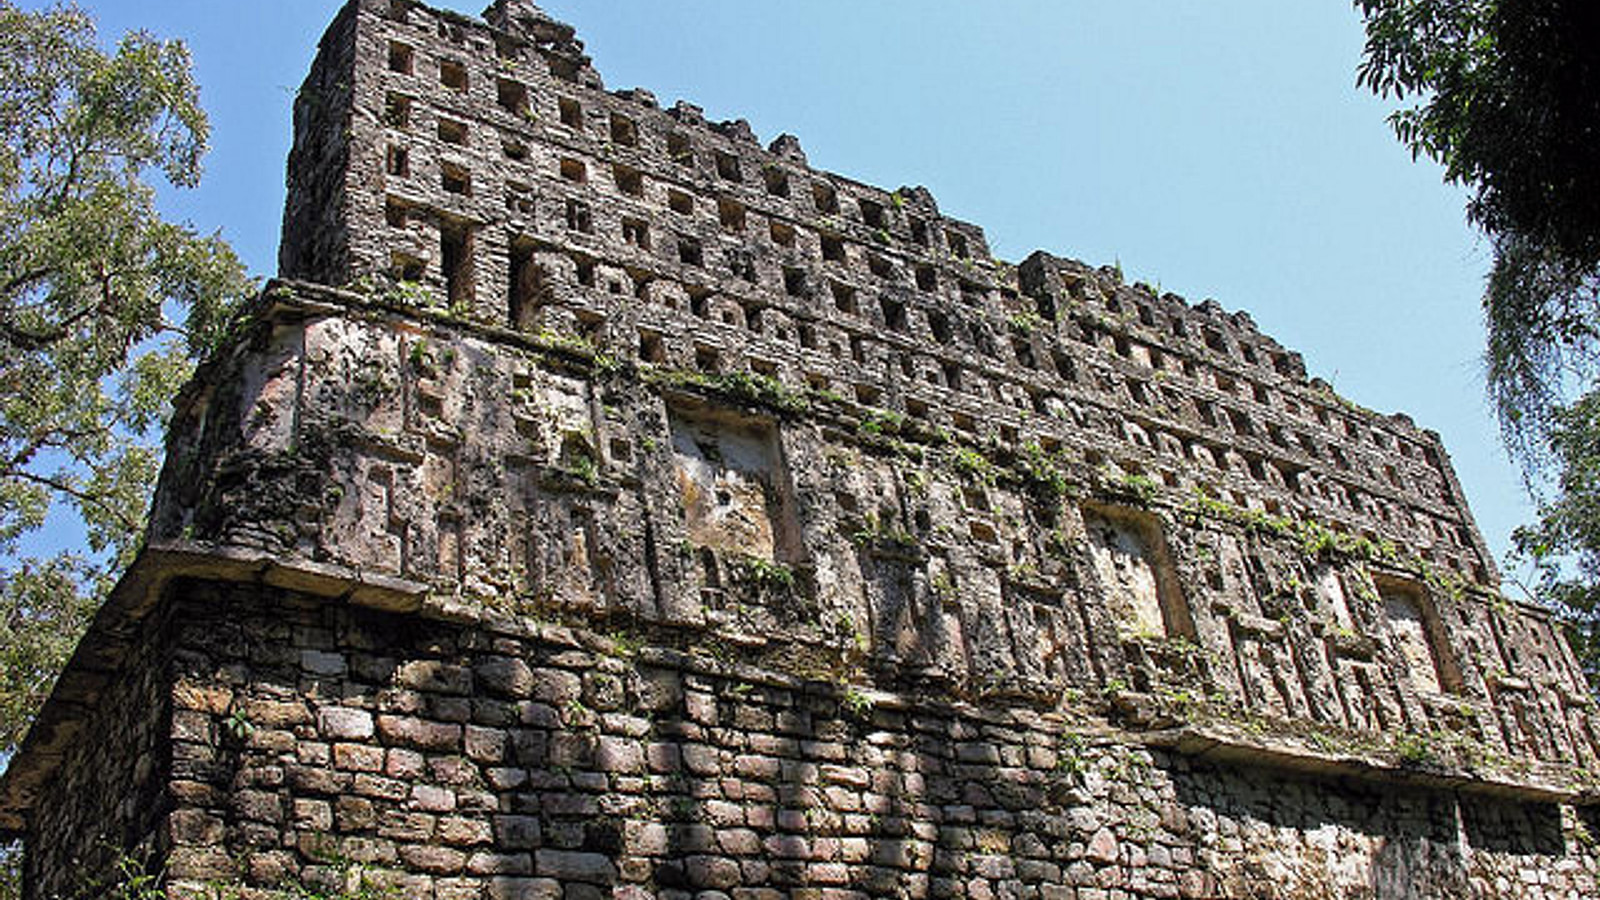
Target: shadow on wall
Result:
[[1366, 840]]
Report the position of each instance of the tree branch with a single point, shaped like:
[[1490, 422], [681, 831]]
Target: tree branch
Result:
[[80, 495]]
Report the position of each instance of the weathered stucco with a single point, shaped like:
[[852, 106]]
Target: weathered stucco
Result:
[[609, 505]]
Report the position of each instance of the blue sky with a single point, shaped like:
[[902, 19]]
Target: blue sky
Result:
[[1218, 149]]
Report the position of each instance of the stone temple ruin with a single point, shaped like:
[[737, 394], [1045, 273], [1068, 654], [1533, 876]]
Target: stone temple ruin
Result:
[[604, 504]]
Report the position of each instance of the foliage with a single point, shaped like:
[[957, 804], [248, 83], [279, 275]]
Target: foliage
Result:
[[104, 305], [972, 465], [1564, 545], [1505, 94], [766, 574], [748, 388]]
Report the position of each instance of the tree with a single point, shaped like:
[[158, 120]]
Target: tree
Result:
[[1506, 95], [104, 306]]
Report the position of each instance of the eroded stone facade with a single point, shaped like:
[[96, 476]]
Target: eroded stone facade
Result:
[[609, 505]]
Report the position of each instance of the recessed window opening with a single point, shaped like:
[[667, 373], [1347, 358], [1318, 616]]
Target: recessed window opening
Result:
[[1023, 350], [1241, 423], [952, 375], [452, 75], [398, 162], [623, 130], [832, 248], [689, 251], [636, 232], [927, 279], [514, 149], [512, 96], [741, 262], [728, 167], [919, 232], [400, 57], [844, 297], [397, 111], [680, 203], [824, 197], [894, 314], [730, 213], [871, 213], [455, 261], [629, 181], [579, 217], [957, 244], [453, 132], [939, 324], [794, 282], [782, 234], [707, 359], [776, 180], [679, 148], [394, 213], [573, 170], [1065, 367], [455, 179], [571, 112], [526, 286], [880, 267], [651, 348]]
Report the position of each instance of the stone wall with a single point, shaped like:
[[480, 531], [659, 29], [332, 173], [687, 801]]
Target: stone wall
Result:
[[615, 506], [829, 537], [463, 761], [108, 795]]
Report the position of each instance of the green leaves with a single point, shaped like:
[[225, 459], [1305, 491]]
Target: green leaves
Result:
[[1563, 547], [1505, 94], [44, 606], [104, 308]]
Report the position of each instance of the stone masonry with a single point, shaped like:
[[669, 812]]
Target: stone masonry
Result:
[[603, 504]]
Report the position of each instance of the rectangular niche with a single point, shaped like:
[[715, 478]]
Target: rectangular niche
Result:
[[1134, 569], [733, 485], [1414, 626]]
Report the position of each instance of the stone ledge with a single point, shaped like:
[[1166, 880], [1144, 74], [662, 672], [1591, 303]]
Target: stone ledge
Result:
[[1223, 743]]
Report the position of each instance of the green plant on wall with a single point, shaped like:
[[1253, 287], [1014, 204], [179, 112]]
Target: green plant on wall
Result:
[[972, 465], [766, 574]]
